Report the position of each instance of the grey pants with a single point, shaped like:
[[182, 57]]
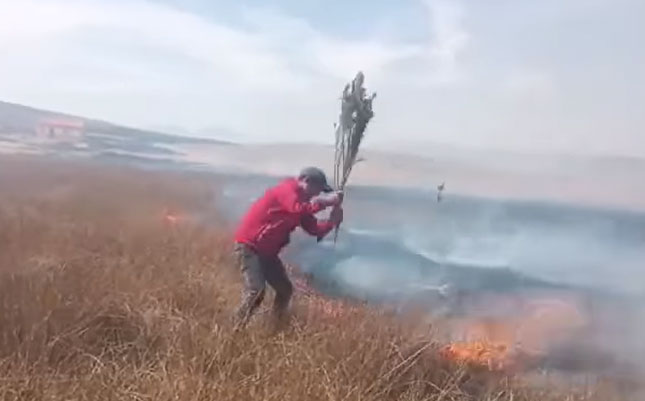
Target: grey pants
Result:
[[256, 272]]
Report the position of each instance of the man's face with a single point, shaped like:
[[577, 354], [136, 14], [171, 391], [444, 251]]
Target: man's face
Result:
[[311, 189]]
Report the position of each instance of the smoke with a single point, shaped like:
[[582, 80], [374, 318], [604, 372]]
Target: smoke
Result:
[[561, 281]]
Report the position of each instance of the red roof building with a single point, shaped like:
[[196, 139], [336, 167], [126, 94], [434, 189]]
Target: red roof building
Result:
[[61, 129]]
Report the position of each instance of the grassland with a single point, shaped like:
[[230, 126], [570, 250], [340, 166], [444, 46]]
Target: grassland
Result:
[[102, 298]]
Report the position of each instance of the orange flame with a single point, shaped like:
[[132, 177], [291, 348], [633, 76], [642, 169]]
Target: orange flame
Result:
[[507, 345], [493, 356], [512, 344]]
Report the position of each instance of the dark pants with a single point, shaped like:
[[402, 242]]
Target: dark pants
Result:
[[256, 272]]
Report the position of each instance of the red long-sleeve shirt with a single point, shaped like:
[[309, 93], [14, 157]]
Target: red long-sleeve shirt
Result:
[[267, 225]]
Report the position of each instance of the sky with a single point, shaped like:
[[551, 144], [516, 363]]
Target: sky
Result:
[[525, 75]]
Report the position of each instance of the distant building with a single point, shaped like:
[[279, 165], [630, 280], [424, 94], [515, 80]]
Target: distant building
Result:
[[61, 129]]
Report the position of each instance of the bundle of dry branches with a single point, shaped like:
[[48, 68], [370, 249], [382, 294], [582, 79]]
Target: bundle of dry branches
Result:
[[356, 112]]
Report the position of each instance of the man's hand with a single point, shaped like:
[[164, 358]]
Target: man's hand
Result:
[[332, 199], [336, 215]]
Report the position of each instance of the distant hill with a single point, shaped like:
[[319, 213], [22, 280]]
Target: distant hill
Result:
[[16, 118]]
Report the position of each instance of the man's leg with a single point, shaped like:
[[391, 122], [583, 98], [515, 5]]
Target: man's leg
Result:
[[254, 287], [276, 275]]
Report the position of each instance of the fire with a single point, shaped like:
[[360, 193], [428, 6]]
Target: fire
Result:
[[508, 345], [503, 344], [493, 356], [171, 218]]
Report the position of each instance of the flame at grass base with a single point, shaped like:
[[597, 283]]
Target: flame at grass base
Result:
[[518, 343], [492, 356], [509, 345]]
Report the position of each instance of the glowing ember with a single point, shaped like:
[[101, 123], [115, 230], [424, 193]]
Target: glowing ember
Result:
[[171, 218]]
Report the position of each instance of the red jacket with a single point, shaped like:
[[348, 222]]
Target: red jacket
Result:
[[268, 223]]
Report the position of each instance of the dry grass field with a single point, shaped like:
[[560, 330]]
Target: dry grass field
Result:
[[105, 298]]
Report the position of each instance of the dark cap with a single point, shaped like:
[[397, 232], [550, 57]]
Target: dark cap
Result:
[[315, 175]]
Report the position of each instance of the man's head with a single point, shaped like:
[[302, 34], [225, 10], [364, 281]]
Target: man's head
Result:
[[313, 181]]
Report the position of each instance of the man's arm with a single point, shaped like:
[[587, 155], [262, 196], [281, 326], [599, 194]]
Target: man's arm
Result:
[[291, 202], [315, 227]]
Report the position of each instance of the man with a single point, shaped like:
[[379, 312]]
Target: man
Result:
[[266, 229]]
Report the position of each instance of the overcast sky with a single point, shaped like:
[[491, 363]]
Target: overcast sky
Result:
[[547, 75]]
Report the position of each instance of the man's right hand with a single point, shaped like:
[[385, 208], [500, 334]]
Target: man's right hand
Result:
[[333, 199]]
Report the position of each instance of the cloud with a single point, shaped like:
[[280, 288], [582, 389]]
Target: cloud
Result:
[[227, 51], [530, 83], [29, 20], [278, 52], [140, 62], [446, 70], [449, 39], [330, 56]]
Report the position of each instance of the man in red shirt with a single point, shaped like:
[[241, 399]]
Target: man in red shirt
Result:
[[266, 228]]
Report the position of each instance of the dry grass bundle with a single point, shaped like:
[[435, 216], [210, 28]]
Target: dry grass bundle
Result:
[[356, 112]]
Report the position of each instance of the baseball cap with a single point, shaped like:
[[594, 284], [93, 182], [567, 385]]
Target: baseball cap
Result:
[[314, 174]]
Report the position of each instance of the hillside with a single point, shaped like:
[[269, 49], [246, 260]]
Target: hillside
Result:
[[597, 181], [102, 140]]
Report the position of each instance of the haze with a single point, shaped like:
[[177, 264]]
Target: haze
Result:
[[547, 76]]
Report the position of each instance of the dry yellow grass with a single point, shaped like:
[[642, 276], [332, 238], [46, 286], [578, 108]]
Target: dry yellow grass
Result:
[[103, 300]]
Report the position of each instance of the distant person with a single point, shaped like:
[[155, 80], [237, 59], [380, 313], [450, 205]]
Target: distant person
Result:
[[440, 189], [266, 228]]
